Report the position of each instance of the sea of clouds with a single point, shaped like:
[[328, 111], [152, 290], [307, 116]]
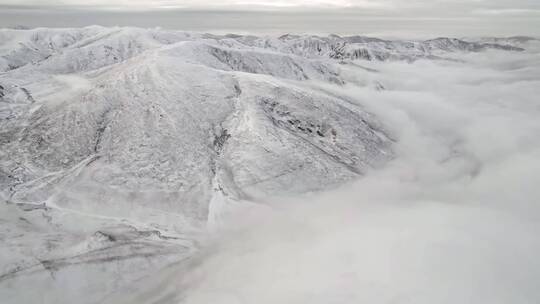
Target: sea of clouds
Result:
[[454, 218]]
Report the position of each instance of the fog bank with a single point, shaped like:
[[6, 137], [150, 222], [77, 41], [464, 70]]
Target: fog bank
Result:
[[453, 219]]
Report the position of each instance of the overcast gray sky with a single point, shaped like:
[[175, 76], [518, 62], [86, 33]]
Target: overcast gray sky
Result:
[[481, 6], [383, 17]]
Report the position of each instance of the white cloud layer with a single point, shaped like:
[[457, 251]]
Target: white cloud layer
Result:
[[454, 219], [197, 4]]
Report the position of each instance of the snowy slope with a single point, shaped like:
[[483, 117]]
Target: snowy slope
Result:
[[120, 145]]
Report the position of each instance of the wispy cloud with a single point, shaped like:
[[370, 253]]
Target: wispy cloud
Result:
[[201, 4], [507, 11]]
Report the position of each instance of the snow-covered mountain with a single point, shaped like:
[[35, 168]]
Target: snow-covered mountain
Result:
[[119, 146]]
